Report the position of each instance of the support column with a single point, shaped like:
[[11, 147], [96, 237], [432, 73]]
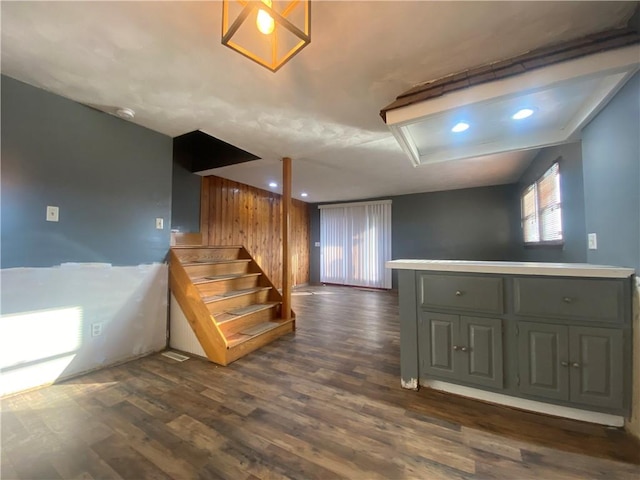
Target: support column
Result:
[[204, 210], [286, 231]]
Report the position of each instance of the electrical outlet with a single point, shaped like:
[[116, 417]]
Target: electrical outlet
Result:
[[52, 214], [592, 240], [317, 244], [159, 223], [96, 329]]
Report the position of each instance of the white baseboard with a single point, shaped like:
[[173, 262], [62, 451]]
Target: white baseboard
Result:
[[525, 404]]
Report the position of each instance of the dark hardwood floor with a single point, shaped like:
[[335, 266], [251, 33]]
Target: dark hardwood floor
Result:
[[323, 403]]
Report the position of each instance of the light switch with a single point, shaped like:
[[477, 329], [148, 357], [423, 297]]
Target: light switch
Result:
[[52, 214], [592, 239], [159, 223]]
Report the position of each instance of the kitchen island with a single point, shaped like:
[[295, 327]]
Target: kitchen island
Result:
[[553, 338]]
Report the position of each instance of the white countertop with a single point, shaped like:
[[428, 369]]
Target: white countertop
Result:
[[514, 268]]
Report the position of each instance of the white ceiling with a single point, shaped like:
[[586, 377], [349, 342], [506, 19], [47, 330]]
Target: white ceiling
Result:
[[165, 61]]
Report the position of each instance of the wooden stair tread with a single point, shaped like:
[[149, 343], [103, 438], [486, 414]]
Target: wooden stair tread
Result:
[[219, 278], [216, 262], [258, 328], [236, 313], [233, 293], [255, 331], [209, 279]]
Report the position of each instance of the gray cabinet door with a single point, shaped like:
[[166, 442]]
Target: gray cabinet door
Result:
[[481, 351], [596, 366], [435, 344], [543, 356]]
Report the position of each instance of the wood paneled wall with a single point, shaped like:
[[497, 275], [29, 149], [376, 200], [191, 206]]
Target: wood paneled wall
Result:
[[236, 214]]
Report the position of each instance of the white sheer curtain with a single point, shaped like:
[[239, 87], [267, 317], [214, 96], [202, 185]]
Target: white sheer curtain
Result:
[[355, 242]]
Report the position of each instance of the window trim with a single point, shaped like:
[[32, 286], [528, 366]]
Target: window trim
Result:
[[541, 243]]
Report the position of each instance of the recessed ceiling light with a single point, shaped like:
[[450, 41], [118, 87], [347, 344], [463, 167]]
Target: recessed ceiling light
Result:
[[125, 113], [460, 127], [523, 113], [273, 184], [304, 194]]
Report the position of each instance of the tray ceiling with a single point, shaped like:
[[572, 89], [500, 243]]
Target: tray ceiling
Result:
[[562, 98]]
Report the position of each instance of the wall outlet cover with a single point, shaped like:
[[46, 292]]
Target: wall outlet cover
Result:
[[159, 223], [96, 329], [592, 240], [52, 214]]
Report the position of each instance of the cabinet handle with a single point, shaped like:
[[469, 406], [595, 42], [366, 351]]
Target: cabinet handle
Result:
[[458, 293], [456, 347], [575, 365], [567, 299], [564, 364], [464, 349]]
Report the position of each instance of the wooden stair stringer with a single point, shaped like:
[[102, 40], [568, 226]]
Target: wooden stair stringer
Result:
[[209, 282], [203, 324]]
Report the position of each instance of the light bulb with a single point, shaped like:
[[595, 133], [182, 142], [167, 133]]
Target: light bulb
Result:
[[460, 127], [264, 21], [521, 114]]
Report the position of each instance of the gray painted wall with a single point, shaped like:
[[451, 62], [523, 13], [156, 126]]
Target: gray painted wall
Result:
[[110, 179], [185, 195], [469, 224], [314, 236], [574, 249], [611, 163]]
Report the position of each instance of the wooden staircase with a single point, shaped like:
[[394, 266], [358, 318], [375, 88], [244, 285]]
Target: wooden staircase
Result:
[[231, 305]]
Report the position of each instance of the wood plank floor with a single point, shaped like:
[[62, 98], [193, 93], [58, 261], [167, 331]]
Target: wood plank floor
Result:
[[323, 403]]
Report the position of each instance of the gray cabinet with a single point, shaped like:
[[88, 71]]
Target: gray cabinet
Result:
[[467, 349], [562, 340], [579, 364]]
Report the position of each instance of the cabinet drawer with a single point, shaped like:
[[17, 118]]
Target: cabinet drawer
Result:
[[478, 294], [584, 299]]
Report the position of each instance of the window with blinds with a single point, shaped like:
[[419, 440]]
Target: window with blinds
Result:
[[542, 209]]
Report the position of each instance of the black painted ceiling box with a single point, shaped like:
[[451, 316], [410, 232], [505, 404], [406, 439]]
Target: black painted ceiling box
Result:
[[198, 151]]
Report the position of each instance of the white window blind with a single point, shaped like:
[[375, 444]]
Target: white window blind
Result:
[[529, 214], [542, 208], [355, 242]]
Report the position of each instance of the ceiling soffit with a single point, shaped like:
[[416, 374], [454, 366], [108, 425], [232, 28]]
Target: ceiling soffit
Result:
[[565, 85]]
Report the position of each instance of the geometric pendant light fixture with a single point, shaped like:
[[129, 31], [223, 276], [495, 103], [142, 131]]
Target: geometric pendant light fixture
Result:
[[269, 32]]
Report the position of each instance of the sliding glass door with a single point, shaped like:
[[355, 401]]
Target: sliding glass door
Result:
[[355, 242]]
